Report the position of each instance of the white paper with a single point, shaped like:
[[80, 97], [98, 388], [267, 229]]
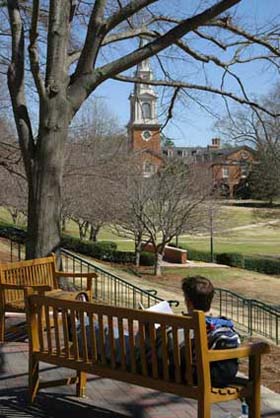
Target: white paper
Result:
[[162, 307]]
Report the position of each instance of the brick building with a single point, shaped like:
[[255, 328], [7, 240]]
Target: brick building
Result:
[[228, 166]]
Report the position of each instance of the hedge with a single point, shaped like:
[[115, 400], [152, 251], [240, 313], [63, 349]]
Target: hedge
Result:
[[266, 265], [102, 250], [107, 250], [11, 232], [230, 259], [197, 255], [262, 265]]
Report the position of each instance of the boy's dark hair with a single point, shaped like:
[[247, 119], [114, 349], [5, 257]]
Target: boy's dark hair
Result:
[[199, 290]]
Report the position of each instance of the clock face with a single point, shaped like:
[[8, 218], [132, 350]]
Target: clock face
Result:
[[146, 135], [244, 155]]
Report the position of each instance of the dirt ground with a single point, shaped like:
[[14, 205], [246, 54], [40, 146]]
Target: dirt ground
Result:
[[257, 289]]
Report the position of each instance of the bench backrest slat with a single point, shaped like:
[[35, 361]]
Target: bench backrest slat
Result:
[[94, 329], [27, 273]]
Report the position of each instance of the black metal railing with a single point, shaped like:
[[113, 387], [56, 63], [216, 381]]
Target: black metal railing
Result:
[[110, 288], [251, 316]]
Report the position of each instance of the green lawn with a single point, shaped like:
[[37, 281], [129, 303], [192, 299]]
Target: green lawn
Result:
[[254, 238], [257, 240]]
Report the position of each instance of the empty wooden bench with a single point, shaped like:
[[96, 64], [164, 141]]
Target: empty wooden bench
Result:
[[88, 352], [40, 274]]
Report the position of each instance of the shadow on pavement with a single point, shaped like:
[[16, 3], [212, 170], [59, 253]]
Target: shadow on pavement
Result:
[[13, 403]]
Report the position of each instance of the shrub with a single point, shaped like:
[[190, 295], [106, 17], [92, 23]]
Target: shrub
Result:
[[262, 265], [13, 233], [102, 250], [125, 257], [147, 259], [230, 259], [197, 255]]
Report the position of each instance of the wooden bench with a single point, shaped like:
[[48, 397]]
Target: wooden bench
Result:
[[40, 274], [87, 353]]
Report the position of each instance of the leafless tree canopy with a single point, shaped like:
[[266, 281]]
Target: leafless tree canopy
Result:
[[68, 48]]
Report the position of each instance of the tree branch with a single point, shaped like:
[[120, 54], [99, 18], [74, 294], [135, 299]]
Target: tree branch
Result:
[[16, 86], [228, 25], [127, 11], [171, 106], [95, 34], [82, 87], [208, 89], [58, 34], [33, 52], [211, 39]]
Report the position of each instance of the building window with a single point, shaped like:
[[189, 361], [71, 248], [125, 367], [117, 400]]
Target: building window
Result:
[[165, 152], [244, 171], [147, 111], [179, 153], [225, 172], [149, 169]]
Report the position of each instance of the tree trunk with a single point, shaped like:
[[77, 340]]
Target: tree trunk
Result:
[[138, 248], [83, 228], [63, 224], [158, 260], [44, 193], [93, 233]]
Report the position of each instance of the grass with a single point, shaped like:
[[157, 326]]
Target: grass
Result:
[[255, 239]]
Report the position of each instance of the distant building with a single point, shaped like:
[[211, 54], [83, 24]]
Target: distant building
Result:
[[229, 167]]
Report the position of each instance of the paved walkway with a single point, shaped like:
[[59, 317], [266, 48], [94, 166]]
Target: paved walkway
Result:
[[105, 398]]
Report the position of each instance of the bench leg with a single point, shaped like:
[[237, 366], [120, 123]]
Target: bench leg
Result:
[[255, 377], [81, 384], [33, 378], [2, 326], [203, 409]]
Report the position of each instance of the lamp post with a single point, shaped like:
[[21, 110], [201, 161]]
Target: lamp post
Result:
[[211, 234]]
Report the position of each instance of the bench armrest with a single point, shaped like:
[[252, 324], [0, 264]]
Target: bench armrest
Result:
[[40, 287], [72, 274], [248, 350]]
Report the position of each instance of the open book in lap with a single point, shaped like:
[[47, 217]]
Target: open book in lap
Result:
[[161, 307]]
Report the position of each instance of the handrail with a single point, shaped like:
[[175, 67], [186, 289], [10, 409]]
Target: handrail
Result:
[[111, 288], [251, 315]]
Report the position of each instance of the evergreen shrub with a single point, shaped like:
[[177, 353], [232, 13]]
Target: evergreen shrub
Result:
[[230, 259], [262, 265], [147, 259]]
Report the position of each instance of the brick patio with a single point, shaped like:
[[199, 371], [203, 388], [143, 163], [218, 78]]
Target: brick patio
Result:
[[105, 398]]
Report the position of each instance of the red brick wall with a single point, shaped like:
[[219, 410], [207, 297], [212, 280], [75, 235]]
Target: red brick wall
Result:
[[138, 142], [171, 254]]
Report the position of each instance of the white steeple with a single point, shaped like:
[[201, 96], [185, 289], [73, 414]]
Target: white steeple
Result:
[[143, 99]]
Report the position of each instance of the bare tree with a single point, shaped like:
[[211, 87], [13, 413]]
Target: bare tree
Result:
[[69, 56], [13, 195], [165, 205], [262, 132], [93, 161]]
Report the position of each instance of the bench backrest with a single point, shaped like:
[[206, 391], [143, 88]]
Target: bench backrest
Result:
[[95, 348], [39, 271]]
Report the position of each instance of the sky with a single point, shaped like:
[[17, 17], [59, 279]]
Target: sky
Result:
[[191, 125]]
